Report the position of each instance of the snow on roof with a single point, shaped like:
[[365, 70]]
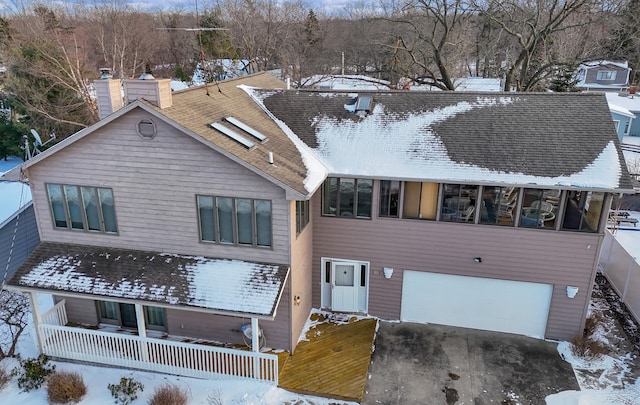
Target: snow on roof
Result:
[[345, 82], [219, 285], [629, 103], [420, 154], [14, 196], [621, 110], [316, 171], [596, 63], [478, 84]]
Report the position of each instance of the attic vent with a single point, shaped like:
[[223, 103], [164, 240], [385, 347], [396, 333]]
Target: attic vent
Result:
[[146, 129], [246, 128], [233, 135], [364, 104]]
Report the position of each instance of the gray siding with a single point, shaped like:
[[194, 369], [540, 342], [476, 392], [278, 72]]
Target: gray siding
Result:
[[592, 76], [530, 255], [79, 310], [154, 184], [26, 239]]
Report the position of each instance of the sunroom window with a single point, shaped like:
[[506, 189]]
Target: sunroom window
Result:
[[389, 198], [347, 197], [539, 208], [459, 202], [498, 205], [583, 211]]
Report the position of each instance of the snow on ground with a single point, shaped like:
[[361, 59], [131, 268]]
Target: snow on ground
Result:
[[612, 379], [230, 392]]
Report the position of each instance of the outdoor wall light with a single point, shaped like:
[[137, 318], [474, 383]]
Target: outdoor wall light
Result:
[[477, 259], [572, 291], [297, 299], [388, 272]]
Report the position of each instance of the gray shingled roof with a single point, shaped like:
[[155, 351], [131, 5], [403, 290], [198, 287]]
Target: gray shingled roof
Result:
[[218, 285], [546, 135]]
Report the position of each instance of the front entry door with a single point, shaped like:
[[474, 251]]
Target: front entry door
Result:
[[343, 289]]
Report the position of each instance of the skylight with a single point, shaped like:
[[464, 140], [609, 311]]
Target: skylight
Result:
[[363, 103], [246, 128], [233, 135]]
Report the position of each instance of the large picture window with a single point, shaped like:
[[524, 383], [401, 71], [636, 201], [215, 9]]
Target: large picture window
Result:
[[82, 208], [239, 221], [344, 197], [497, 205], [539, 208], [459, 202]]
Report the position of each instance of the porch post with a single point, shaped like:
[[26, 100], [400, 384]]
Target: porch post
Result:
[[255, 345], [37, 320], [142, 333]]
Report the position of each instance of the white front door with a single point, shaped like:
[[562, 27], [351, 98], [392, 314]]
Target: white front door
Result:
[[344, 294]]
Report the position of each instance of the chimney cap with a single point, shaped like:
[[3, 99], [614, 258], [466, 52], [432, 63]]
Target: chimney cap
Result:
[[146, 76]]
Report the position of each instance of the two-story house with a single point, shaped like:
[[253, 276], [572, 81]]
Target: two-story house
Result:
[[603, 75], [189, 217]]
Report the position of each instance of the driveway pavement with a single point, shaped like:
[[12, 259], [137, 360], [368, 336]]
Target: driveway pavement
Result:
[[433, 364]]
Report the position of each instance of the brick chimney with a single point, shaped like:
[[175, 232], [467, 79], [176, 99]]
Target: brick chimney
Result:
[[155, 91], [108, 93]]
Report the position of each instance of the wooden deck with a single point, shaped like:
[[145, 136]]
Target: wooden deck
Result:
[[333, 361]]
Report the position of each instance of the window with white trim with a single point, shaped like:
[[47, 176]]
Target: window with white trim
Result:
[[606, 75]]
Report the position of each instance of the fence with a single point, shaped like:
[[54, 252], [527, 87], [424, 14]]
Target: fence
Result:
[[191, 360], [623, 272]]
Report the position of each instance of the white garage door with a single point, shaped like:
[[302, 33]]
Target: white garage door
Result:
[[474, 302]]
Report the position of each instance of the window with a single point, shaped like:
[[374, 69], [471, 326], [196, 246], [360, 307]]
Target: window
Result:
[[124, 315], [239, 221], [539, 208], [583, 211], [82, 208], [497, 205], [420, 200], [459, 202], [627, 126], [302, 215], [606, 75], [345, 197], [389, 198]]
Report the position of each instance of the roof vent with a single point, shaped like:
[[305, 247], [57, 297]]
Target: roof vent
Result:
[[364, 104]]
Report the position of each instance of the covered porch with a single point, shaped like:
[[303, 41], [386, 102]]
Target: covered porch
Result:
[[149, 350], [121, 286]]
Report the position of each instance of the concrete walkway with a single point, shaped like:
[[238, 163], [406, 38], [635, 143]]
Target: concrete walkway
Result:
[[432, 364]]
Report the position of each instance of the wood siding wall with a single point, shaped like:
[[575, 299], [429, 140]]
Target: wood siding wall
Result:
[[80, 310], [530, 255], [621, 75], [22, 233], [301, 274], [155, 182]]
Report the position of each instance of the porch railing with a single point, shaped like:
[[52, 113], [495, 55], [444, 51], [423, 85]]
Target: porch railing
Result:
[[56, 315], [191, 360]]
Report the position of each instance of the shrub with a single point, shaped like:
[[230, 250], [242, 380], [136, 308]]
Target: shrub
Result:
[[587, 347], [65, 387], [169, 394], [591, 324], [215, 398], [126, 391], [34, 372], [4, 378]]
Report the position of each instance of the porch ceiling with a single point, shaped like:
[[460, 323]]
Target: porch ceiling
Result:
[[198, 283]]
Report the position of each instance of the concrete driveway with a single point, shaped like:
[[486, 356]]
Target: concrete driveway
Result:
[[433, 364]]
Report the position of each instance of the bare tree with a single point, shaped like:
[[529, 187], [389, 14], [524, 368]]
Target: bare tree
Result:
[[432, 49], [535, 26], [14, 318]]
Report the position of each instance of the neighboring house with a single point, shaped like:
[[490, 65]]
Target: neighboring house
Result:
[[18, 228], [185, 217], [603, 75], [625, 109]]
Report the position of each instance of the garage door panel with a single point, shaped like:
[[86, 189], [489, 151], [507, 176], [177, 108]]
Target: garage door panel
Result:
[[475, 302]]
